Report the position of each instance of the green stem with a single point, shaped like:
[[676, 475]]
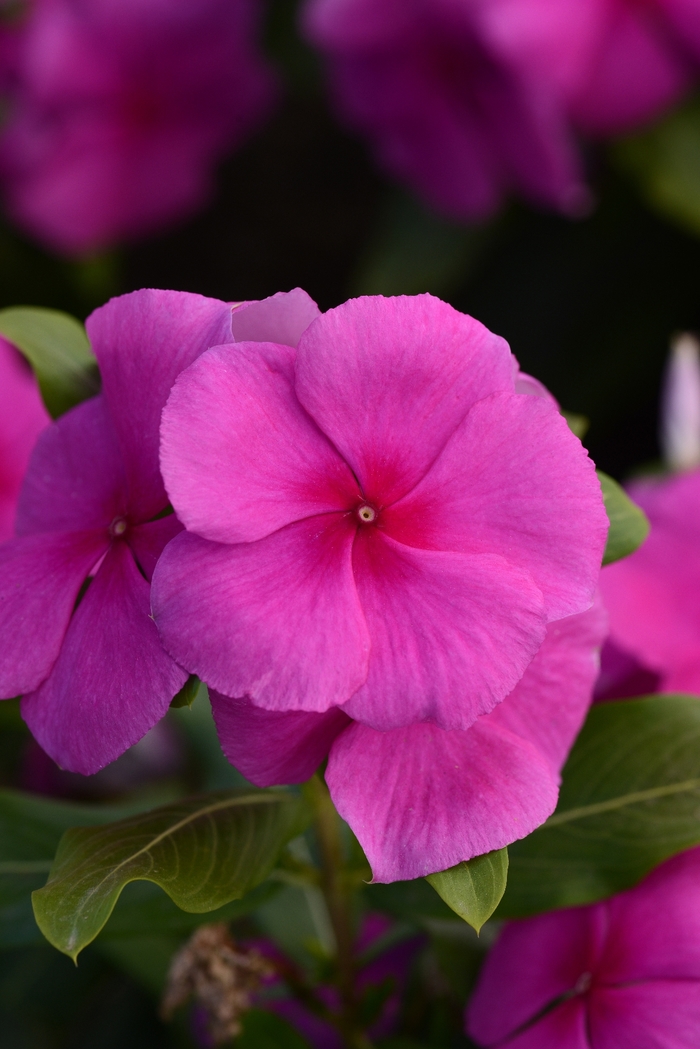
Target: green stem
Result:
[[338, 897]]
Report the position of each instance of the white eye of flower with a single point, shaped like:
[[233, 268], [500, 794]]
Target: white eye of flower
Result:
[[366, 514]]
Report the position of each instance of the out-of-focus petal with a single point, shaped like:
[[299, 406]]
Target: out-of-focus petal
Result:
[[655, 1014], [142, 342], [451, 634], [551, 700], [531, 965], [514, 480], [281, 318], [76, 477], [389, 380], [149, 540], [562, 1028], [274, 748], [240, 456], [278, 620], [112, 680], [40, 578], [421, 799], [22, 418]]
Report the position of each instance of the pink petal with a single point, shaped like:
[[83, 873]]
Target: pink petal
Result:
[[513, 480], [533, 963], [451, 634], [149, 540], [655, 1014], [655, 927], [22, 418], [274, 748], [76, 476], [142, 342], [281, 318], [40, 577], [112, 681], [550, 702], [388, 380], [564, 1027], [240, 456], [421, 799], [278, 620]]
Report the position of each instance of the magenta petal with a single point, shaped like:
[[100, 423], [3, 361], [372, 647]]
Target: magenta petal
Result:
[[282, 318], [421, 799], [388, 380], [564, 1027], [533, 963], [655, 1014], [274, 748], [278, 620], [550, 702], [142, 342], [40, 577], [112, 680], [22, 418], [515, 481], [149, 540], [451, 634], [76, 478], [240, 456]]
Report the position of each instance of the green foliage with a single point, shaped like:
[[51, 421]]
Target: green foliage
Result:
[[204, 852], [475, 888], [664, 161], [56, 346], [629, 526], [187, 694], [629, 800], [263, 1030]]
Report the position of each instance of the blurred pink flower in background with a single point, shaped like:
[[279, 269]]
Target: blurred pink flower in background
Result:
[[120, 110], [466, 100], [622, 973], [22, 418], [380, 528]]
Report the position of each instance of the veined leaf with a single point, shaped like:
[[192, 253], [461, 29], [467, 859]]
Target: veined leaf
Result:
[[474, 889], [204, 852], [630, 799], [56, 346], [629, 526]]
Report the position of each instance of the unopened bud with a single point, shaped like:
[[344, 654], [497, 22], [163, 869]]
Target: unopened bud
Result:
[[680, 410]]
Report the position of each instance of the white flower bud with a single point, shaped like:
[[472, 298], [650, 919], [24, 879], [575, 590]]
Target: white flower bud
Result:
[[680, 411]]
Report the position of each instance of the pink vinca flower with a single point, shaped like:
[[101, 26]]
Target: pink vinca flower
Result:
[[465, 100], [653, 596], [78, 641], [120, 111], [623, 974], [379, 527], [22, 418]]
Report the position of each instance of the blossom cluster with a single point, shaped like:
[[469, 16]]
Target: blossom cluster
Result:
[[381, 552]]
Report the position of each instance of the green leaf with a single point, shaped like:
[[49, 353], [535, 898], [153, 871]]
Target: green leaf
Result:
[[204, 852], [263, 1030], [187, 694], [664, 161], [56, 346], [629, 526], [630, 799], [475, 888]]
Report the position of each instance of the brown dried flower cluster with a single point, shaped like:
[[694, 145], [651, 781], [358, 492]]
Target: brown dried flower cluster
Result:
[[220, 977]]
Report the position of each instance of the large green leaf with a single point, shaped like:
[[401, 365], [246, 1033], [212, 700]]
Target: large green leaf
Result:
[[630, 798], [629, 526], [475, 888], [664, 160], [56, 346], [204, 852]]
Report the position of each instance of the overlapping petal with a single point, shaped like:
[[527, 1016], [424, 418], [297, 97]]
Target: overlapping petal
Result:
[[76, 477], [142, 342], [514, 480], [240, 456], [656, 1014], [149, 540], [361, 365], [274, 748], [278, 620], [451, 633], [40, 578], [281, 318], [112, 680], [421, 799]]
